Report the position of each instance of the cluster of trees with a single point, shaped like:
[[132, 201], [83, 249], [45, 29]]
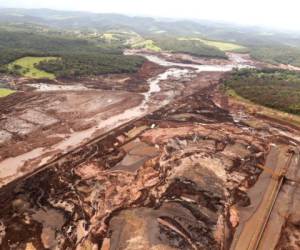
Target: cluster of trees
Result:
[[192, 47], [49, 43], [81, 57], [8, 55], [78, 56], [278, 89], [83, 65], [16, 70]]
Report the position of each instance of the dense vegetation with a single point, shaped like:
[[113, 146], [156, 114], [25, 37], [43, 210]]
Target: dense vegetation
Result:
[[87, 55], [80, 65], [278, 89], [277, 54], [107, 58], [66, 34], [193, 47], [27, 66]]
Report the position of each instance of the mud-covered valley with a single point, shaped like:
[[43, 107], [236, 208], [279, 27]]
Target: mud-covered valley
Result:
[[158, 159]]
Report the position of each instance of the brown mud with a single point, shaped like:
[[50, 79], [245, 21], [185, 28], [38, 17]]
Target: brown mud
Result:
[[185, 175]]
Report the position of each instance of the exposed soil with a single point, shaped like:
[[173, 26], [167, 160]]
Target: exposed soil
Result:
[[48, 117], [123, 82], [166, 169]]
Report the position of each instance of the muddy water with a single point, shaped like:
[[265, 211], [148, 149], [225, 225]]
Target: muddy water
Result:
[[11, 168], [52, 87], [154, 87], [128, 114], [235, 61], [8, 167], [237, 58]]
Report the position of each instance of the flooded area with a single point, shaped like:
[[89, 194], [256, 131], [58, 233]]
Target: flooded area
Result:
[[235, 61], [51, 87], [101, 123], [164, 167]]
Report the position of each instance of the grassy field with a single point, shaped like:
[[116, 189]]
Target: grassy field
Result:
[[189, 46], [146, 44], [26, 66], [109, 37], [5, 92], [224, 46], [132, 39], [121, 36]]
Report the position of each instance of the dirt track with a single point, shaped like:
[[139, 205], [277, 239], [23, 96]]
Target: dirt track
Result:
[[182, 176]]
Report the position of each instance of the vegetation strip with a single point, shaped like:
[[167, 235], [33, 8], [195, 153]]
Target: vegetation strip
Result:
[[5, 92], [27, 66], [223, 46], [277, 89]]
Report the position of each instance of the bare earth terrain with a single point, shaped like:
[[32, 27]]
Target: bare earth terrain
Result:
[[153, 160]]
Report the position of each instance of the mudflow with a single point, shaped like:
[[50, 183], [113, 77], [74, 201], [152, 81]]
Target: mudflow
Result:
[[152, 160]]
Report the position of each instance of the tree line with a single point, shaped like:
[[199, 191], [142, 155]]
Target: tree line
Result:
[[78, 56], [278, 89]]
